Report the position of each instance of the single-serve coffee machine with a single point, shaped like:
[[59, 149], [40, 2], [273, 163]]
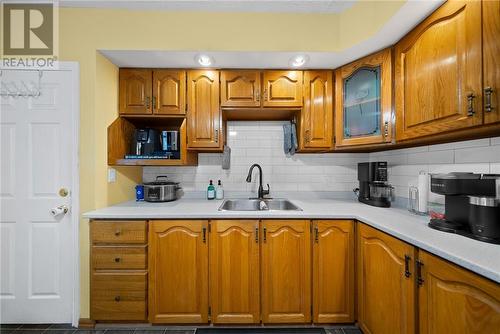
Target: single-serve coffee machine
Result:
[[373, 186], [471, 205]]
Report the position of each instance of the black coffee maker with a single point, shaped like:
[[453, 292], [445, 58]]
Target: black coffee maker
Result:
[[373, 186], [471, 205]]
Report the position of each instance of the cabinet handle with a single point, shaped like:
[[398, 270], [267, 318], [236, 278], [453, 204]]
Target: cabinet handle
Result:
[[204, 234], [117, 298], [316, 234], [117, 259], [146, 101], [154, 102], [216, 135], [386, 129], [265, 234], [488, 91], [470, 104], [308, 136], [117, 233], [420, 280], [257, 95], [407, 266], [256, 235]]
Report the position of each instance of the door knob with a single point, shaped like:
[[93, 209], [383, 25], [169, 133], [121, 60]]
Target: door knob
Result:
[[63, 192], [59, 210]]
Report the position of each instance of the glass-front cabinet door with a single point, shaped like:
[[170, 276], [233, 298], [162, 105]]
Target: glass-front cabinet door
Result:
[[363, 101]]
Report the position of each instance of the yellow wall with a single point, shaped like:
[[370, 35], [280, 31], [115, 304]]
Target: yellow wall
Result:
[[82, 32]]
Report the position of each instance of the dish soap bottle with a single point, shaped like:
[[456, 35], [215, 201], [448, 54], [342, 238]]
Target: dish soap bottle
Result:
[[219, 191], [211, 191]]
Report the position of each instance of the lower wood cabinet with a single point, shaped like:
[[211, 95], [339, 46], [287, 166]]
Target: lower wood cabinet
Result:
[[234, 271], [178, 266], [286, 271], [454, 300], [333, 271], [386, 290]]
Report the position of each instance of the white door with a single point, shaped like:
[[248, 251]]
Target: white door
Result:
[[37, 249]]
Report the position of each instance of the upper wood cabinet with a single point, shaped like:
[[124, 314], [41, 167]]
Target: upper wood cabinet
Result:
[[178, 280], [169, 92], [234, 271], [282, 89], [333, 271], [386, 289], [135, 96], [316, 119], [203, 112], [363, 101], [438, 72], [286, 271], [491, 63], [240, 88], [454, 300]]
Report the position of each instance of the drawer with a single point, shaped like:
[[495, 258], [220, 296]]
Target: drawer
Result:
[[118, 232], [104, 257], [116, 296]]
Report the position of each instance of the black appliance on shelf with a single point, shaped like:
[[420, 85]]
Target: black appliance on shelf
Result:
[[373, 186], [145, 142], [471, 205]]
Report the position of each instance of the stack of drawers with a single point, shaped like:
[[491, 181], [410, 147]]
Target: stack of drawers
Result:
[[119, 270]]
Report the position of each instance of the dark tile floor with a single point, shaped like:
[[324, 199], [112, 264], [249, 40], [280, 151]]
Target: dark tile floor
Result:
[[122, 329]]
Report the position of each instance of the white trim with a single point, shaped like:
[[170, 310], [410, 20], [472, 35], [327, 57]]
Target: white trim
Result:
[[74, 68]]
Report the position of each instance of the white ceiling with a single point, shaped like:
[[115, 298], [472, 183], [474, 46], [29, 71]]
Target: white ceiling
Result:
[[410, 14], [285, 6]]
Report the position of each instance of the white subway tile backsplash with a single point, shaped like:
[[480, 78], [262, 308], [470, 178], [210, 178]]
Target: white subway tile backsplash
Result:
[[262, 142]]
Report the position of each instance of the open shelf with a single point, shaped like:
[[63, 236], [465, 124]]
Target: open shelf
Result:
[[121, 132]]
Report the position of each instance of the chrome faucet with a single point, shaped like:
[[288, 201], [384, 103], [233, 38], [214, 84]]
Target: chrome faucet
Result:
[[261, 191]]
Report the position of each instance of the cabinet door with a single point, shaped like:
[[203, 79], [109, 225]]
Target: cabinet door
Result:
[[240, 88], [491, 64], [363, 92], [438, 77], [234, 271], [135, 91], [386, 289], [316, 125], [169, 92], [333, 271], [454, 300], [286, 271], [282, 89], [178, 264], [204, 116]]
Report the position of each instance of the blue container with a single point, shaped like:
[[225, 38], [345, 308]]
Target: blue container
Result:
[[139, 192]]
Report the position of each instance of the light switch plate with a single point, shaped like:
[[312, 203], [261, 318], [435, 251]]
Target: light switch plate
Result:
[[111, 175]]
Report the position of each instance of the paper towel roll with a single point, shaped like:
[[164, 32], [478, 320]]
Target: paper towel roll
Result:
[[423, 191]]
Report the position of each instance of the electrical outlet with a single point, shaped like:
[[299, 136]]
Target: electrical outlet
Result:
[[111, 175]]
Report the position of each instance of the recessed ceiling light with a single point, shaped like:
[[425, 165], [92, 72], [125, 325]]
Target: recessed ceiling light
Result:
[[299, 60], [204, 60]]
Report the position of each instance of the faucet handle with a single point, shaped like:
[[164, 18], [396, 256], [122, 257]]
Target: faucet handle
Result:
[[266, 192]]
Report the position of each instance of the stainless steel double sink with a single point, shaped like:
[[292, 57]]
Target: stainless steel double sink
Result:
[[277, 204]]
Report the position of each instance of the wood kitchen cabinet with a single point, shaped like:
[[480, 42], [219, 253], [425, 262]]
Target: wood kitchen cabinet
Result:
[[333, 271], [363, 100], [234, 271], [491, 64], [286, 271], [282, 89], [316, 119], [204, 118], [135, 96], [438, 82], [454, 300], [386, 289], [240, 88], [169, 92], [178, 262]]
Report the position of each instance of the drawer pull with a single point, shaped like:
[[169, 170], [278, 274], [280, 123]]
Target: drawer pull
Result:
[[470, 104], [118, 232], [117, 298], [117, 259], [487, 97]]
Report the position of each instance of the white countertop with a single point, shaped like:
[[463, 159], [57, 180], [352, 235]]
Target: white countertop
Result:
[[479, 257]]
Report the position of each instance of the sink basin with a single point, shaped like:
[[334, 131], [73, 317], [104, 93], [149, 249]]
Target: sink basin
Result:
[[258, 205]]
